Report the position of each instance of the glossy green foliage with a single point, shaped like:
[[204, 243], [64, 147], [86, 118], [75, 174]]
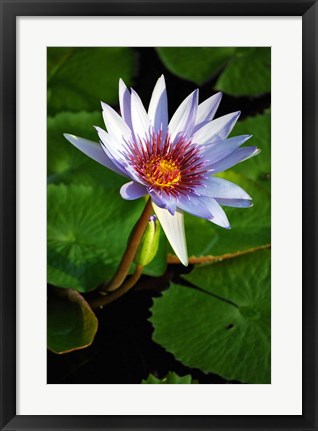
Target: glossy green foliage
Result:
[[79, 78], [87, 234], [71, 324], [223, 320], [247, 73], [242, 71], [195, 64]]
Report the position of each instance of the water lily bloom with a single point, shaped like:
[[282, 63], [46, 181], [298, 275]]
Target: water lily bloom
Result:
[[174, 161]]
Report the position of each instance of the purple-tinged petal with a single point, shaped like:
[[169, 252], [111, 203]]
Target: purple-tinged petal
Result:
[[216, 130], [237, 203], [156, 198], [133, 174], [182, 122], [194, 205], [93, 150], [158, 107], [139, 117], [132, 190], [124, 103], [220, 150], [120, 166], [236, 157], [164, 200], [115, 125], [206, 111], [173, 227], [255, 153], [223, 189], [171, 203], [218, 215], [112, 144]]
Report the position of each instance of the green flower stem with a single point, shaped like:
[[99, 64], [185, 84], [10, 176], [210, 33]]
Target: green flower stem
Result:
[[110, 297], [130, 251]]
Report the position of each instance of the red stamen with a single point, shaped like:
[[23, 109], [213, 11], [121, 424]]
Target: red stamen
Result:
[[175, 168]]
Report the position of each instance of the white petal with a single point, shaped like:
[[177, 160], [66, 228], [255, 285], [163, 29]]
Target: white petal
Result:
[[173, 227], [133, 174], [158, 106], [115, 125], [124, 102], [184, 117], [255, 153], [217, 151], [236, 203], [113, 146], [219, 216], [93, 150], [207, 110], [223, 189], [139, 117], [216, 130], [238, 156]]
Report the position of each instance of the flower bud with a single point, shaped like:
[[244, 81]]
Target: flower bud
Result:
[[149, 243]]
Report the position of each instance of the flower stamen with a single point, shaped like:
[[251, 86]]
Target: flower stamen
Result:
[[162, 172], [175, 168]]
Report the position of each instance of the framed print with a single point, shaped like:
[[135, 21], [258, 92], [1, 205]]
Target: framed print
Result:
[[158, 215]]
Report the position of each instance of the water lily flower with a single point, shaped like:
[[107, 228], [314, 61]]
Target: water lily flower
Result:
[[174, 161]]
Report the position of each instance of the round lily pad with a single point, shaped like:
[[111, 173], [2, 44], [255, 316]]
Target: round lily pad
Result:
[[71, 324], [247, 73], [80, 77], [195, 64], [87, 234], [222, 323]]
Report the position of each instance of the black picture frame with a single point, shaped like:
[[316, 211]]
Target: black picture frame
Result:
[[10, 9]]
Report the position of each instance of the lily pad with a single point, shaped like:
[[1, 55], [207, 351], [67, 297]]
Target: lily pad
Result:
[[79, 78], [88, 229], [248, 73], [195, 64], [71, 324], [242, 71], [223, 324]]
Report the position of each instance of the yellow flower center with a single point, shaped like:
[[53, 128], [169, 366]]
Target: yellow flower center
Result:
[[162, 172]]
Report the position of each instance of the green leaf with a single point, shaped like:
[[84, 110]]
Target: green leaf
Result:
[[243, 71], [170, 379], [248, 73], [195, 64], [67, 164], [223, 326], [87, 234], [88, 229], [79, 78], [250, 227], [71, 324], [258, 167]]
